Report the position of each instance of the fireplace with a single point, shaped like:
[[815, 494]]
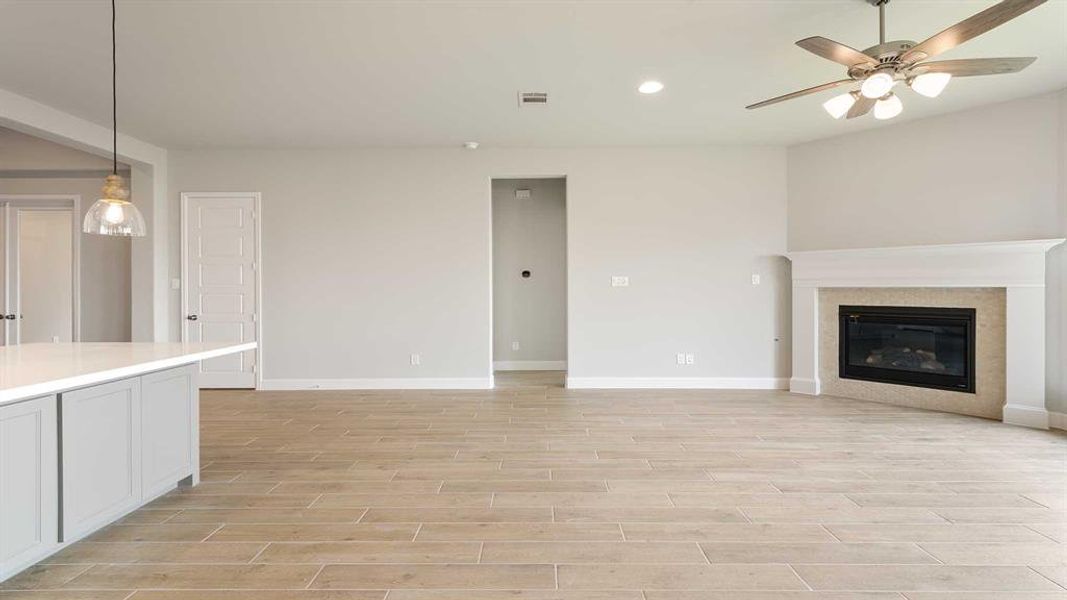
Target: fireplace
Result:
[[905, 345]]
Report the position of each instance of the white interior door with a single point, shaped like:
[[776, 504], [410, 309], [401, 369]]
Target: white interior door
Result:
[[7, 300], [220, 281], [45, 272], [38, 270]]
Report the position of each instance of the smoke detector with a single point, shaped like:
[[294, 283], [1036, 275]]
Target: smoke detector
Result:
[[533, 99]]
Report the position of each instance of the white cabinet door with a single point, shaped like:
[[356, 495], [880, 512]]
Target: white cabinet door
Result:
[[169, 444], [29, 495], [101, 448]]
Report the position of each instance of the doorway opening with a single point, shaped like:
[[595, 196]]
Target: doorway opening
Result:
[[39, 265], [529, 281]]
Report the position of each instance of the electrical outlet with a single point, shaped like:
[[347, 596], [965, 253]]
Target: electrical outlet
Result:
[[514, 345], [416, 360], [755, 279], [681, 358], [620, 281], [689, 359]]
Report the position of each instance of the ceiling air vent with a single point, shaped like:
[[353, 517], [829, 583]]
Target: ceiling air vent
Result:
[[532, 99]]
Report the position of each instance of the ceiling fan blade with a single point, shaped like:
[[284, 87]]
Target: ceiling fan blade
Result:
[[811, 90], [970, 28], [837, 52], [973, 67], [862, 106]]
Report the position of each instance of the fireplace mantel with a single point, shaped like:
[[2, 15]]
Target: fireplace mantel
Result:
[[1016, 266]]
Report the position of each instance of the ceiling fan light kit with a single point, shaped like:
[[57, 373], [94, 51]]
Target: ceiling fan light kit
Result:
[[930, 84], [888, 107], [838, 106], [879, 68]]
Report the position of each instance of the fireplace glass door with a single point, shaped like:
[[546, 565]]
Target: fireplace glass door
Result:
[[917, 346]]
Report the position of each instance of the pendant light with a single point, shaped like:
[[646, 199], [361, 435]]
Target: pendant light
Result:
[[113, 213]]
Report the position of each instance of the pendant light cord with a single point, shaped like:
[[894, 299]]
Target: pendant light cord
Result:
[[114, 98]]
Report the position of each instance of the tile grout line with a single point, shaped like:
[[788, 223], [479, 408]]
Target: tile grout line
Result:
[[316, 576], [252, 561], [217, 529], [1054, 582], [802, 580]]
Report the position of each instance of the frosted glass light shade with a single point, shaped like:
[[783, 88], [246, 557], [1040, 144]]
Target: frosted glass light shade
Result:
[[114, 214], [931, 84], [838, 106], [877, 85], [888, 107]]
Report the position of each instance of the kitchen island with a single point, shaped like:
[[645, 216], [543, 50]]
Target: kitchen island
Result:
[[90, 432]]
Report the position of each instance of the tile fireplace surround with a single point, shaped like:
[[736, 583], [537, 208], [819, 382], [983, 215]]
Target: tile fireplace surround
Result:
[[1013, 270]]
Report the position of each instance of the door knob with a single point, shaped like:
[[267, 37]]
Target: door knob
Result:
[[10, 317], [192, 317]]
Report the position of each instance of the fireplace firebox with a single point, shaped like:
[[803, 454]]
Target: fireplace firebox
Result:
[[905, 345]]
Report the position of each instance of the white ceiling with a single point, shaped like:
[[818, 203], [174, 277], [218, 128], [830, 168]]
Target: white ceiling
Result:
[[350, 73]]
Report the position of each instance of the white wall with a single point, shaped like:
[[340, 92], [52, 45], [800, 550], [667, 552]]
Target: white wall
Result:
[[371, 255], [529, 234], [105, 261], [993, 173]]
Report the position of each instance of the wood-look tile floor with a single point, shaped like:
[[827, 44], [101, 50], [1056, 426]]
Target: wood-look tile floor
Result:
[[533, 492]]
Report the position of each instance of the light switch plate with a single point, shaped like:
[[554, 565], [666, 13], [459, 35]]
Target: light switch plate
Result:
[[681, 358], [416, 360], [514, 345], [755, 279], [620, 281]]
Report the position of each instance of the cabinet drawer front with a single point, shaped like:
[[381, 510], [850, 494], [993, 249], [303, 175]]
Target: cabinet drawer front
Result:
[[168, 413], [101, 445], [29, 511]]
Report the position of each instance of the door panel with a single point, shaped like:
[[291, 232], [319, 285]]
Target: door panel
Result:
[[220, 287], [101, 473], [168, 412], [29, 486], [45, 302]]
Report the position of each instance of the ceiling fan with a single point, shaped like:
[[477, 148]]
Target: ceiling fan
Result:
[[879, 68]]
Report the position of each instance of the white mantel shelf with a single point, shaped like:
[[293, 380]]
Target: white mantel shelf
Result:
[[1016, 266], [30, 370], [990, 264]]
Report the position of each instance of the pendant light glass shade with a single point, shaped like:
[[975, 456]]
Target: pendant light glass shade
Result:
[[114, 214]]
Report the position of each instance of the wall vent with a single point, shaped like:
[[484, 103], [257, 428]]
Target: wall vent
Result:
[[532, 99]]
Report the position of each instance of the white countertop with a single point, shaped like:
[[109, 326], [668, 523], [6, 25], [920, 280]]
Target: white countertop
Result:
[[30, 370]]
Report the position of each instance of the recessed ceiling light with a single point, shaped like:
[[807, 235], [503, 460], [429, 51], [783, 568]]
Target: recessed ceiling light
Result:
[[650, 87]]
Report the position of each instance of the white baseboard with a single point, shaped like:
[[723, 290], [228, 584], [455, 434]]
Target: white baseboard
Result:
[[679, 383], [399, 383], [799, 385], [530, 365], [1057, 420], [1026, 416]]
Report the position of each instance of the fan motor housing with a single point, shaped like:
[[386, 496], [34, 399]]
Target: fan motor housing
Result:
[[889, 51]]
